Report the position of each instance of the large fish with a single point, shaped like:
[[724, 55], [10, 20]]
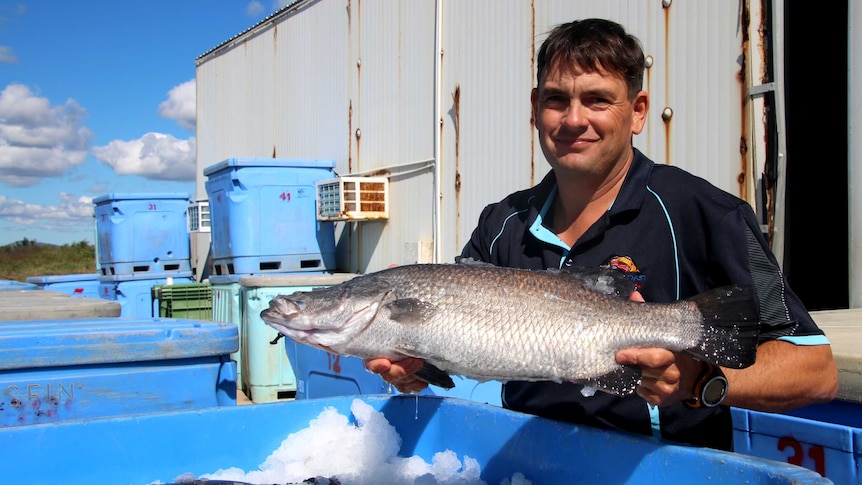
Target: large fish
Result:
[[491, 323]]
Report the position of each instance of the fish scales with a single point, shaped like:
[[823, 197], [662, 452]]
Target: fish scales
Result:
[[507, 329], [486, 322]]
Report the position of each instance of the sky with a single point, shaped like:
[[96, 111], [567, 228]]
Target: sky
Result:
[[98, 97]]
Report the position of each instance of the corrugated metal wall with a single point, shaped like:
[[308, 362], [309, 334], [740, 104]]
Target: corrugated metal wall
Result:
[[362, 83]]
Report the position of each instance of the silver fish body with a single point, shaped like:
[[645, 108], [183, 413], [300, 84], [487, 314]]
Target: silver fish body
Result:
[[492, 323]]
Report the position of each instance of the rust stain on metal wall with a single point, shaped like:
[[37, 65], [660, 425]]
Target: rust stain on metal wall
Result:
[[745, 21], [350, 136], [274, 71], [667, 119], [456, 115], [350, 101], [532, 70], [357, 133]]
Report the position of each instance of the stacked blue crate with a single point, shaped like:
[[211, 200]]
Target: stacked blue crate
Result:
[[143, 241], [264, 224], [264, 219]]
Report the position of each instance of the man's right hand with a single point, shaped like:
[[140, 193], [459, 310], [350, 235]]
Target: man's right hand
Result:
[[398, 373]]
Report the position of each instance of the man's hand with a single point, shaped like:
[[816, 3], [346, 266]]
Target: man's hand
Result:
[[398, 373], [668, 377]]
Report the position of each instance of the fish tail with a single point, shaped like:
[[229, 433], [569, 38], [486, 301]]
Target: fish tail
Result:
[[731, 326]]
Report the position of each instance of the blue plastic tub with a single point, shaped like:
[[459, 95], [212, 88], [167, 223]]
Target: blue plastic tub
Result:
[[263, 216], [80, 285], [826, 438], [158, 448], [142, 233], [136, 296], [52, 371], [321, 374]]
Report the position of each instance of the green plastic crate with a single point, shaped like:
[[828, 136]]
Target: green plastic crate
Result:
[[187, 300]]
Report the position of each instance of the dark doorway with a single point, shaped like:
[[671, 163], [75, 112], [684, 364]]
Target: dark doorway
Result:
[[816, 240]]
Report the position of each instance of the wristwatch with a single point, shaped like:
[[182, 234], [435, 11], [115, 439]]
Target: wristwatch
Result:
[[710, 389]]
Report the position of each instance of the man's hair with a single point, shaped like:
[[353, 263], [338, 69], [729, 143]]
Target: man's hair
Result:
[[592, 44]]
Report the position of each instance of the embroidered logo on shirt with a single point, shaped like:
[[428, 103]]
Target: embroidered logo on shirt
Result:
[[627, 265]]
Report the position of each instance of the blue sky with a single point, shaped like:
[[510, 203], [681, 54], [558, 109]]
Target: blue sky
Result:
[[98, 97]]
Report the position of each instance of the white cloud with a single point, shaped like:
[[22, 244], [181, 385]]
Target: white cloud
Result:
[[254, 8], [154, 156], [181, 105], [37, 139], [7, 55], [67, 216]]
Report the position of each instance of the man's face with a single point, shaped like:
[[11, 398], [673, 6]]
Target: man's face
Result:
[[585, 119]]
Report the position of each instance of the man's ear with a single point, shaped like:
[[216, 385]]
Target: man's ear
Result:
[[640, 105]]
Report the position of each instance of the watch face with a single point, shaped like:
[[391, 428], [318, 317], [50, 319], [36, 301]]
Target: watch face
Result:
[[714, 391]]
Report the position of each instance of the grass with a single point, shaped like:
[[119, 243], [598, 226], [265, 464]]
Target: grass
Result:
[[27, 258]]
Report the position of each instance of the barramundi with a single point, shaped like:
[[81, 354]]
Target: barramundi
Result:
[[486, 322]]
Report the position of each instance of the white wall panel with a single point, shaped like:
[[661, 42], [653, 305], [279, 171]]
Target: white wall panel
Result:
[[361, 83]]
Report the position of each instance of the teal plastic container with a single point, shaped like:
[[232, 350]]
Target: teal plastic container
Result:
[[145, 234], [57, 370], [227, 308], [158, 448], [264, 218], [267, 375]]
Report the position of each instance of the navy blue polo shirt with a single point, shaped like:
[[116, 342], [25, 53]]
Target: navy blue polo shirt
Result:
[[677, 235]]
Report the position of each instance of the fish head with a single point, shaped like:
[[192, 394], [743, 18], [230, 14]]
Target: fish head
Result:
[[326, 318]]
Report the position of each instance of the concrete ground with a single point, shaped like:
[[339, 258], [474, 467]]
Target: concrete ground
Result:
[[843, 328]]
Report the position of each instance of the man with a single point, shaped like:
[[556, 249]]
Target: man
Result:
[[605, 204]]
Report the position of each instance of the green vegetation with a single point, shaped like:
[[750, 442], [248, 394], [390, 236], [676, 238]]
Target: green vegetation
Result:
[[29, 258]]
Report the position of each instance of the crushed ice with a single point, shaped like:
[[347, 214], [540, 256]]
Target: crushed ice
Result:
[[357, 454]]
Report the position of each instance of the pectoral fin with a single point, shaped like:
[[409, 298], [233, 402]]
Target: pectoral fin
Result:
[[410, 311], [434, 376]]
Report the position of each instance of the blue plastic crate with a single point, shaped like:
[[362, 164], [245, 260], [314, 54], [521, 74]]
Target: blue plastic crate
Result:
[[52, 305], [57, 370], [825, 438], [263, 216], [135, 296], [79, 285], [158, 448], [142, 233]]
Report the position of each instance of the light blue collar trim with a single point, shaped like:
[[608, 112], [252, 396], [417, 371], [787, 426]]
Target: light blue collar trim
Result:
[[542, 233]]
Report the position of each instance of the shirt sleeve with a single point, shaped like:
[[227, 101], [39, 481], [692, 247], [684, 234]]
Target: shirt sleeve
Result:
[[478, 247], [743, 252]]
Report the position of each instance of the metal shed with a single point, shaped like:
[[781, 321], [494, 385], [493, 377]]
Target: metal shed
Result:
[[435, 95]]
